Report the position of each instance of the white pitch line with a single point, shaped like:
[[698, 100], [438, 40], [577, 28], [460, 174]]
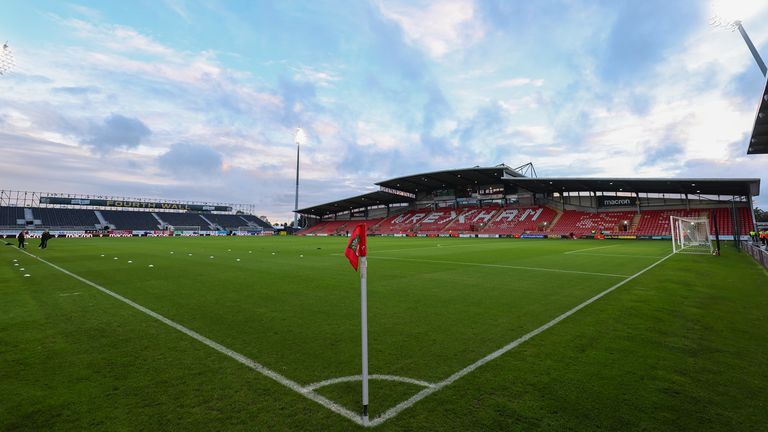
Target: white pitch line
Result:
[[451, 379], [588, 249], [621, 255], [352, 378], [430, 247], [499, 266], [308, 393], [69, 294], [293, 385], [442, 247]]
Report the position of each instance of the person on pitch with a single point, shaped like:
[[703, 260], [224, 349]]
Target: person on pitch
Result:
[[44, 239], [21, 238]]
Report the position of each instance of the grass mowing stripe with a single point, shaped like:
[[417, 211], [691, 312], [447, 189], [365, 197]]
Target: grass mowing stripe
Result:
[[441, 247], [588, 249], [298, 388], [375, 257], [428, 391], [619, 255]]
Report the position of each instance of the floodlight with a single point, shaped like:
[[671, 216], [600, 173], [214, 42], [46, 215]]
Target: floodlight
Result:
[[300, 137], [6, 59]]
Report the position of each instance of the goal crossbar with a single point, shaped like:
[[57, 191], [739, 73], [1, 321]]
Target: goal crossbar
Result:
[[690, 235]]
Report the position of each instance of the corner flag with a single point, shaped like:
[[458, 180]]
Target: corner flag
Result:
[[356, 246], [356, 251]]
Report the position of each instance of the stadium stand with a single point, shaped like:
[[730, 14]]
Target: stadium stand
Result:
[[725, 221], [9, 216], [519, 220], [340, 227], [472, 219], [227, 221], [402, 223], [131, 220], [183, 219], [256, 220], [66, 218], [370, 224], [584, 223], [436, 221], [329, 227], [506, 201], [656, 222]]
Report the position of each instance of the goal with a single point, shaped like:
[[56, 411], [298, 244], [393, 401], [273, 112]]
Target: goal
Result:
[[249, 230], [690, 235], [186, 230]]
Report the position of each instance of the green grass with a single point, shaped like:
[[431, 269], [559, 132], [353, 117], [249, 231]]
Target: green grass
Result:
[[683, 346]]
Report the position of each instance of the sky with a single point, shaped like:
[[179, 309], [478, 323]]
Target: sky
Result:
[[199, 99]]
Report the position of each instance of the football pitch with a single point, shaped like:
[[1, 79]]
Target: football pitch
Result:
[[260, 333]]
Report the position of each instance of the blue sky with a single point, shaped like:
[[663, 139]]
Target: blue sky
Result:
[[198, 99]]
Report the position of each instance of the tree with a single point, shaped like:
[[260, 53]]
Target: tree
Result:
[[761, 215]]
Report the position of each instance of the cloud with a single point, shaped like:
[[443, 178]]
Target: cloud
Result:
[[116, 132], [118, 38], [178, 7], [746, 87], [519, 82], [436, 27], [298, 98], [76, 90], [185, 160], [670, 148], [320, 78], [383, 89], [643, 32]]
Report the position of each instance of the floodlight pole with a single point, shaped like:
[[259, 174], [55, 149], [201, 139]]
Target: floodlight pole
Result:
[[296, 202], [752, 48]]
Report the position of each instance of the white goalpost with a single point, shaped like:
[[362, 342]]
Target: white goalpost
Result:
[[690, 235], [186, 230], [249, 230]]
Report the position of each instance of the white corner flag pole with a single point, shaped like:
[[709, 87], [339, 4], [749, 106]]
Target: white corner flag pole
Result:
[[364, 328]]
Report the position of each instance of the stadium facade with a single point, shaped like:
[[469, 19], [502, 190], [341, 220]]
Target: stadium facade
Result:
[[501, 201], [77, 215]]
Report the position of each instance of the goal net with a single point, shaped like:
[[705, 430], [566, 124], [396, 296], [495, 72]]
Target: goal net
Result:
[[249, 230], [186, 230], [690, 235]]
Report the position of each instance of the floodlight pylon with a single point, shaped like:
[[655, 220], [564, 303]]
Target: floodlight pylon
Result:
[[6, 59]]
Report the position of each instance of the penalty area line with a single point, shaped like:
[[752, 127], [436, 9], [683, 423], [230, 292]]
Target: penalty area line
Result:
[[280, 379], [392, 412], [589, 249], [376, 257]]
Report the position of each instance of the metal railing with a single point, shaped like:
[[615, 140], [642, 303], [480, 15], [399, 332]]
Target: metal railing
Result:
[[758, 253]]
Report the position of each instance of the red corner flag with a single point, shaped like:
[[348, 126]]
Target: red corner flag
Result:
[[356, 246]]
